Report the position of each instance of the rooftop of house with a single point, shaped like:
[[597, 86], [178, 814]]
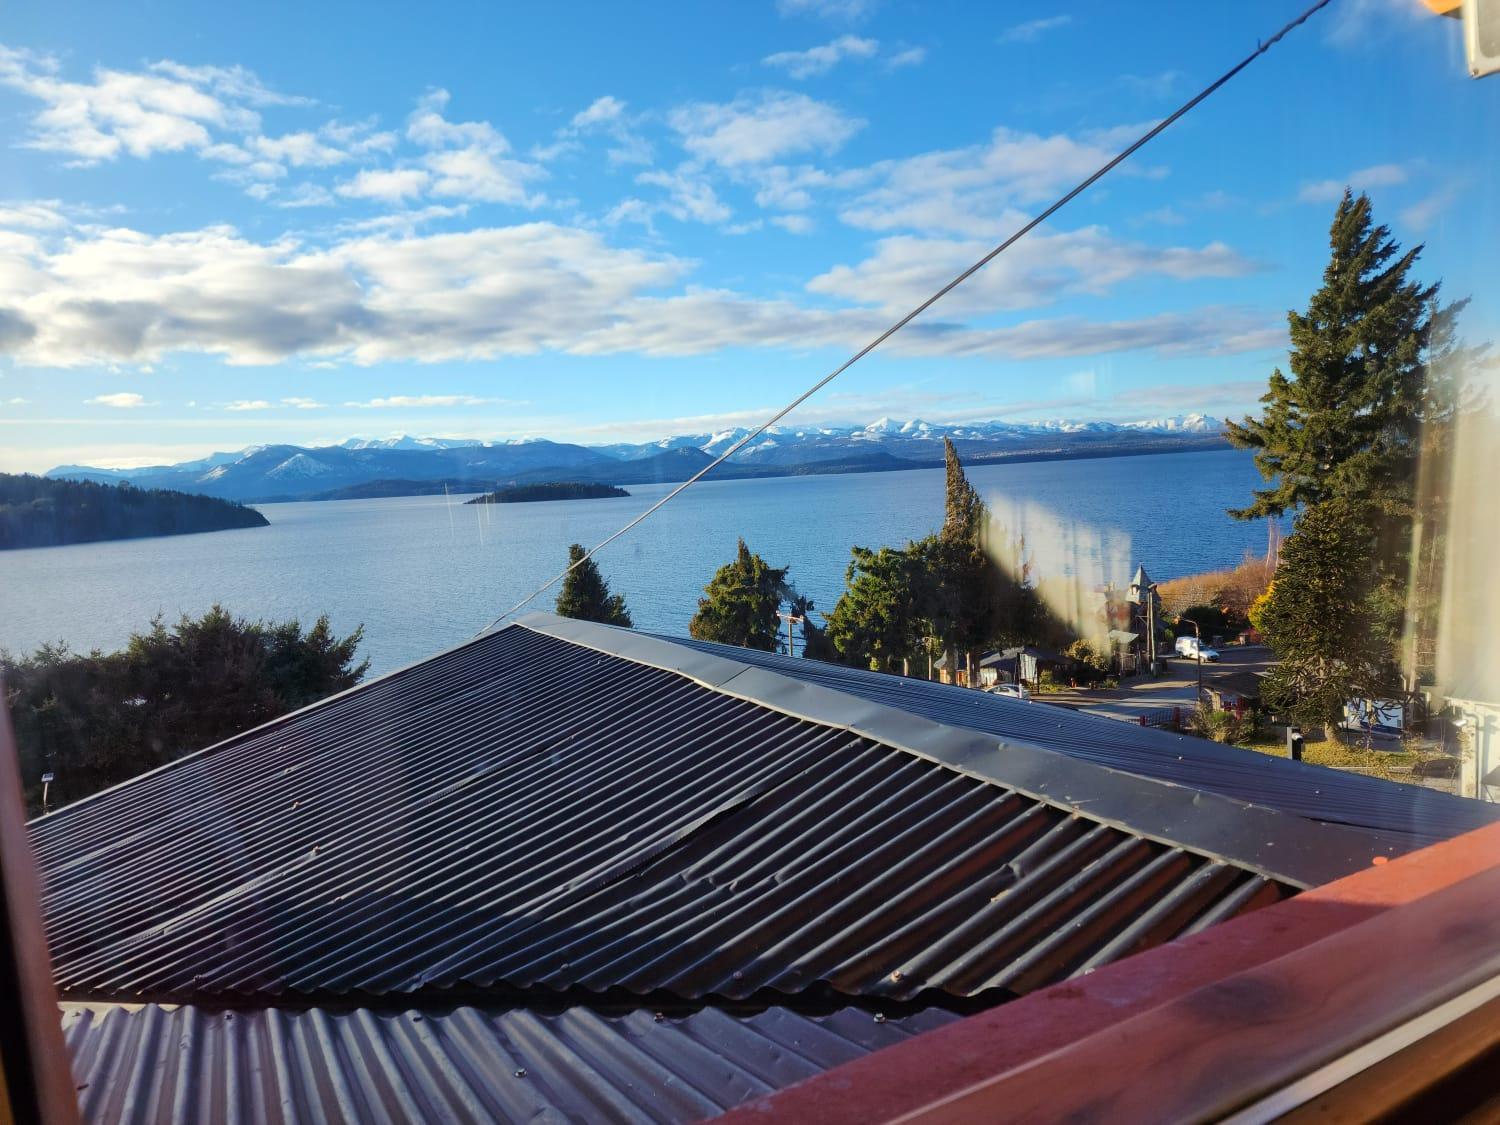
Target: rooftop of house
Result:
[[1398, 817], [560, 831]]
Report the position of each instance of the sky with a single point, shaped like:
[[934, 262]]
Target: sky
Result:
[[241, 224]]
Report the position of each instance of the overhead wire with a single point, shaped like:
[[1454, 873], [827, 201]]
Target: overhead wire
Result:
[[1062, 201]]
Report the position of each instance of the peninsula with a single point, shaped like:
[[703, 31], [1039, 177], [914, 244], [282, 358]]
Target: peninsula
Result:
[[45, 512]]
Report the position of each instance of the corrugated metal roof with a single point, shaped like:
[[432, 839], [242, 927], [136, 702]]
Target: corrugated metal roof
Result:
[[156, 1065], [525, 814], [1408, 814]]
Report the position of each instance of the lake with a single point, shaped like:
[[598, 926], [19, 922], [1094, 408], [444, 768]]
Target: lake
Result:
[[423, 573]]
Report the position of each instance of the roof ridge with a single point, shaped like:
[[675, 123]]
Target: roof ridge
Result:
[[1193, 820]]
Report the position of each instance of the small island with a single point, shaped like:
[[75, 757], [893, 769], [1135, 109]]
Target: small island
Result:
[[45, 512], [556, 490]]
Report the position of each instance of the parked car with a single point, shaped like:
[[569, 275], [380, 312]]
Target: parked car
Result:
[[1016, 691], [1193, 648]]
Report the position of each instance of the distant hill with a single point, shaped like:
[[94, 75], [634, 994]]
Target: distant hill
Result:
[[406, 466], [555, 490], [38, 512]]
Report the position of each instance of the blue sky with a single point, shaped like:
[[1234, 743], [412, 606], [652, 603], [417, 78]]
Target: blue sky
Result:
[[603, 221]]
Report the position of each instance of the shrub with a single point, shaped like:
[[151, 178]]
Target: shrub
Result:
[[1047, 683], [1224, 726]]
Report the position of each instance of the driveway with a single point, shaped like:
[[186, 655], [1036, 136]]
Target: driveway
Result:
[[1177, 686]]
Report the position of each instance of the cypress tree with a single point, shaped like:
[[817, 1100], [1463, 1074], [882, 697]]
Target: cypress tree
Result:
[[740, 603], [585, 594], [1348, 420], [973, 601]]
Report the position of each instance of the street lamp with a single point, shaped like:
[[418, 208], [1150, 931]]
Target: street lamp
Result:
[[1199, 632]]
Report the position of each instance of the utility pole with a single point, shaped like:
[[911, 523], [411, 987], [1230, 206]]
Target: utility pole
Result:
[[789, 618]]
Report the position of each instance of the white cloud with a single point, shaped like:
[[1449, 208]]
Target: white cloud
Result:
[[470, 159], [1330, 191], [407, 221], [234, 82], [793, 224], [791, 187], [429, 128], [119, 112], [756, 130], [474, 173], [122, 297], [1167, 216], [389, 185], [300, 150], [248, 404], [1423, 213], [848, 10], [600, 110], [820, 60], [1036, 271], [911, 56], [302, 403], [304, 195], [17, 401], [1032, 30], [211, 112], [121, 400], [691, 196], [422, 401], [972, 190], [43, 214], [608, 115]]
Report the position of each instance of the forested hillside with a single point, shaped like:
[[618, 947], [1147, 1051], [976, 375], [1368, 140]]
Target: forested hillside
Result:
[[42, 512]]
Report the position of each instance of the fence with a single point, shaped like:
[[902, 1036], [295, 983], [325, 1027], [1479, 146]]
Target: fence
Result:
[[1166, 718]]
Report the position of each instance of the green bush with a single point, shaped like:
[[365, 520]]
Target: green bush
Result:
[[1225, 726]]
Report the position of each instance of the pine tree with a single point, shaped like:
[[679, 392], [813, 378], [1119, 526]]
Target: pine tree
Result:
[[1331, 619], [1373, 395], [1348, 421], [585, 594], [740, 603]]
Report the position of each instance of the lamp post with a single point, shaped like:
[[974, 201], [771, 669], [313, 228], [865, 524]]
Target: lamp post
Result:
[[1150, 593], [1199, 633]]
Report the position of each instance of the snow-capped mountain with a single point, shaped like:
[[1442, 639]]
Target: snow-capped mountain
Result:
[[406, 441], [403, 464]]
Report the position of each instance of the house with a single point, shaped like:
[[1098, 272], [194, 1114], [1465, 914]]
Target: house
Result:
[[1233, 691], [471, 890]]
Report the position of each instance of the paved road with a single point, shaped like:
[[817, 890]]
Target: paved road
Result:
[[1177, 687]]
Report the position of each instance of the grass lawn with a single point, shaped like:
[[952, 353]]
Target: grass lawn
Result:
[[1382, 763]]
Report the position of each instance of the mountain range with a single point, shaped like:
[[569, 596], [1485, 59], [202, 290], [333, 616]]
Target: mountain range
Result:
[[407, 465]]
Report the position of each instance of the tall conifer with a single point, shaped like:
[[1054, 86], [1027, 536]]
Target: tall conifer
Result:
[[585, 594], [1348, 420]]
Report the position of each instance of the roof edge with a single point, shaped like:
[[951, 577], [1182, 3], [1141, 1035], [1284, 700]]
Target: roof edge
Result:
[[1276, 844]]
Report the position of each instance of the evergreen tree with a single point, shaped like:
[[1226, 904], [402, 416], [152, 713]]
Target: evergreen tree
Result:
[[1348, 421], [102, 718], [740, 603], [880, 621], [585, 594], [974, 600], [1331, 619], [1373, 394]]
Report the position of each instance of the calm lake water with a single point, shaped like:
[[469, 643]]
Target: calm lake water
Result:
[[423, 573]]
